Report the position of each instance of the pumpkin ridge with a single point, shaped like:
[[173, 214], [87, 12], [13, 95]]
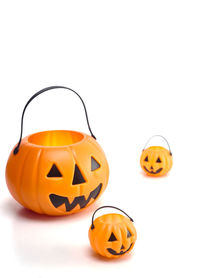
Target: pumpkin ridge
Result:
[[19, 182], [118, 232], [99, 234], [18, 189], [37, 181], [21, 178]]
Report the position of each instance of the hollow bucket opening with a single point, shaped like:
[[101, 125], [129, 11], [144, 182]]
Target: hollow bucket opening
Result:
[[55, 138]]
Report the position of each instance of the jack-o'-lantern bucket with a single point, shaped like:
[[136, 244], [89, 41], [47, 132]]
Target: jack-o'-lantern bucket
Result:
[[156, 161], [57, 172], [112, 235]]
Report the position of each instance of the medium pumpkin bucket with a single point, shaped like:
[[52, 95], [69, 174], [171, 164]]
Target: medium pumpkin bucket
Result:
[[112, 235], [57, 172]]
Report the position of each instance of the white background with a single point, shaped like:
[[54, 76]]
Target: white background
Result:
[[137, 66]]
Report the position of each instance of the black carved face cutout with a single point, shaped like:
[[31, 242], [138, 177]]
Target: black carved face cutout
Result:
[[129, 234], [54, 172], [94, 164], [158, 160], [113, 238], [79, 179]]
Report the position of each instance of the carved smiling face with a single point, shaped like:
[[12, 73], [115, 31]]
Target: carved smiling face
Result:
[[63, 202], [57, 172], [114, 235], [156, 161]]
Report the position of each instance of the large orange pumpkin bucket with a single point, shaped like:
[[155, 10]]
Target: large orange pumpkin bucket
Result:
[[57, 172]]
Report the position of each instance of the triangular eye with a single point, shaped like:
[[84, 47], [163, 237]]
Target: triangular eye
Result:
[[158, 160], [78, 178], [54, 172], [146, 159], [128, 234], [112, 237], [94, 164]]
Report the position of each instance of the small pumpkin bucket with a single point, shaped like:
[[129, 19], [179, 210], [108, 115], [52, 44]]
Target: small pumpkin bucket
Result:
[[156, 160], [57, 172], [112, 235]]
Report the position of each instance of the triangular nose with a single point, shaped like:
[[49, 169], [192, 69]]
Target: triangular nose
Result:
[[122, 247], [78, 177], [151, 167]]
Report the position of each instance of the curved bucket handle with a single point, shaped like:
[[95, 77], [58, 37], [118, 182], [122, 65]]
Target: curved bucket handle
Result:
[[92, 226], [161, 137], [16, 150]]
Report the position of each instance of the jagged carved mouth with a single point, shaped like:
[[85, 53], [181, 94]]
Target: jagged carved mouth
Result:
[[152, 172], [57, 200], [113, 252]]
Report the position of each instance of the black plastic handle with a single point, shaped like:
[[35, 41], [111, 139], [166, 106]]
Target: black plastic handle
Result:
[[161, 137], [16, 150], [92, 226]]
